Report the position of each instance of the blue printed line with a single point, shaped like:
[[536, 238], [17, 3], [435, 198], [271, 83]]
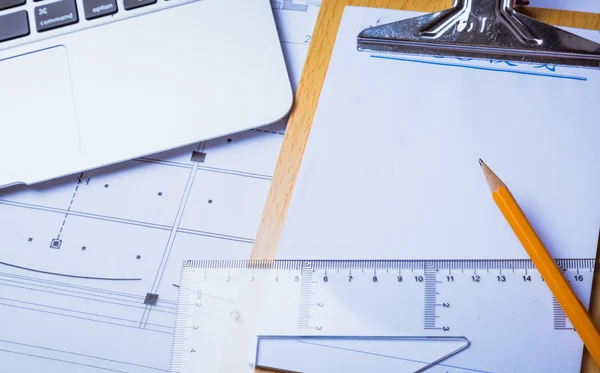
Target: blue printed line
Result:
[[391, 357], [557, 76]]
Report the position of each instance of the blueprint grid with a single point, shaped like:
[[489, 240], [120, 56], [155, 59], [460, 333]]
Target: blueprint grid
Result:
[[89, 264]]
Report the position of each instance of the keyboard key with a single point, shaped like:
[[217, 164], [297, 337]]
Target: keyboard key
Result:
[[7, 4], [132, 4], [55, 15], [99, 8], [14, 25]]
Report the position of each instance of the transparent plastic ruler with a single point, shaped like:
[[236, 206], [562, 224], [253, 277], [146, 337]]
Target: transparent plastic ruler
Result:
[[383, 316]]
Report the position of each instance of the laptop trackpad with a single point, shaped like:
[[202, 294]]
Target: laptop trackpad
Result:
[[38, 127]]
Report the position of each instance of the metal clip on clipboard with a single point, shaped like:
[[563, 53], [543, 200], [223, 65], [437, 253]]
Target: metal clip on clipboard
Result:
[[482, 29]]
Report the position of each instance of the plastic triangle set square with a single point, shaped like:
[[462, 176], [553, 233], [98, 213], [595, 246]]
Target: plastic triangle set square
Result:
[[394, 256]]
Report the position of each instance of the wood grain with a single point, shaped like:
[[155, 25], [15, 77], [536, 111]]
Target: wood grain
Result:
[[307, 97]]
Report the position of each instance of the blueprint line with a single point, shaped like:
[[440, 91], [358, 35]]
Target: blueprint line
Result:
[[205, 168], [70, 204], [215, 235], [126, 221], [90, 291], [171, 241], [391, 357], [64, 361], [91, 299], [86, 215], [83, 318], [163, 163], [67, 285], [264, 131], [84, 355], [236, 173], [69, 292], [175, 227], [67, 275], [80, 312]]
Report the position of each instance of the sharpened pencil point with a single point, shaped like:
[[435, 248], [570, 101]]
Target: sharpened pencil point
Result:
[[493, 181]]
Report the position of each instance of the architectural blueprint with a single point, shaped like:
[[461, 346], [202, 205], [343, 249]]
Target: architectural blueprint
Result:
[[90, 264]]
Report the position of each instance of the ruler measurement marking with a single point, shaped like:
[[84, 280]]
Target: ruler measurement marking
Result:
[[559, 316], [180, 338], [430, 296], [306, 281], [308, 317], [574, 264]]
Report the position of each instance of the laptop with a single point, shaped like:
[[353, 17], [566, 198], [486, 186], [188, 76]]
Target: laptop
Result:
[[89, 83]]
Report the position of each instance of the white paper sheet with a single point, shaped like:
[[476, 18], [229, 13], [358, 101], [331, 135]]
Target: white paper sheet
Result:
[[132, 225], [391, 171], [391, 166]]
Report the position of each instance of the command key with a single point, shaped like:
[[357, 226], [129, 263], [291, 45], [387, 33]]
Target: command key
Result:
[[55, 15]]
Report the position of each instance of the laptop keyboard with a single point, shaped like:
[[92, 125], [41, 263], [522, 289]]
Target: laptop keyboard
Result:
[[23, 21]]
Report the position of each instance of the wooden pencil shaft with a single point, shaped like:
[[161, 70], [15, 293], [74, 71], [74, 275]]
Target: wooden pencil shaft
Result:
[[550, 272]]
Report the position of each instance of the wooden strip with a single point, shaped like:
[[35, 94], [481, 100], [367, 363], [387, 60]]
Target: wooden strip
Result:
[[566, 19], [300, 121], [307, 97]]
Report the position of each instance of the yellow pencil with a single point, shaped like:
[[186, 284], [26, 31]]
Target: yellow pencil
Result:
[[550, 272]]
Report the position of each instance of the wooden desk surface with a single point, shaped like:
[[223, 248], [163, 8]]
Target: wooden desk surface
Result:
[[307, 97]]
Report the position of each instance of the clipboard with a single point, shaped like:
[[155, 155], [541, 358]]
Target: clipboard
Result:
[[307, 98]]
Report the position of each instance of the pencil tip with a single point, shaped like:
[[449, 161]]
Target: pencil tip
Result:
[[493, 181]]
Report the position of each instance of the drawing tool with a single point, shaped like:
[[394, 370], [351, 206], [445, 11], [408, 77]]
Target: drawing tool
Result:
[[414, 312], [550, 272]]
